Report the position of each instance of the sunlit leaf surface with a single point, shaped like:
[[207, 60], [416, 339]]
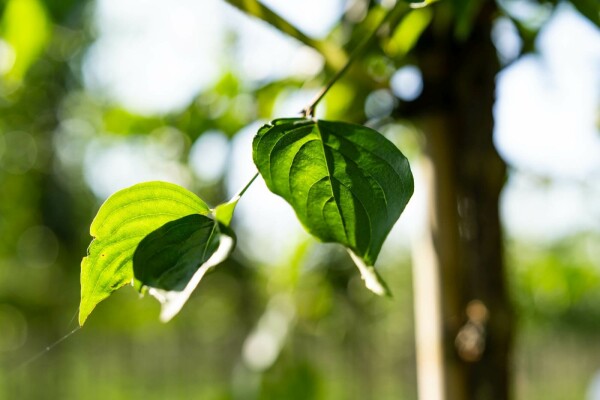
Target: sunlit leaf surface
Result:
[[122, 222]]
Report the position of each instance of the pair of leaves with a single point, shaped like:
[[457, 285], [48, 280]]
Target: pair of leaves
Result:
[[347, 184]]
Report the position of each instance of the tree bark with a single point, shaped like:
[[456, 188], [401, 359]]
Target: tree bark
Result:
[[464, 242]]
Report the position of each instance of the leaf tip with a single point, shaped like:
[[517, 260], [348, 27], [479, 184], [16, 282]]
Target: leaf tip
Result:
[[224, 212], [84, 313]]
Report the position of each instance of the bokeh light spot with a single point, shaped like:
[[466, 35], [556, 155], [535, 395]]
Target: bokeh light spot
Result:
[[506, 39], [208, 156], [407, 83], [379, 104]]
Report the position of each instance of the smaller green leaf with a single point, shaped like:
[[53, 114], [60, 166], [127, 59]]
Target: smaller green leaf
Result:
[[172, 260], [122, 222], [347, 183]]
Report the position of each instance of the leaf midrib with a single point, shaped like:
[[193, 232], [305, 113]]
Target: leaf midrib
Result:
[[330, 176], [365, 173], [367, 150]]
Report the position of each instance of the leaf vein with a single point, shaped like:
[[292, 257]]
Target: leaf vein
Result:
[[330, 174], [294, 159], [365, 172], [144, 200], [270, 156], [363, 207], [108, 267], [149, 215]]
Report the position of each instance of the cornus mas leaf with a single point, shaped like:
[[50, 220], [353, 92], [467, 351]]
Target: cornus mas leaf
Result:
[[156, 235], [347, 183]]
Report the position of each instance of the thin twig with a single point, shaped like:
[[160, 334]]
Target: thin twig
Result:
[[309, 110], [334, 55], [261, 11], [241, 192]]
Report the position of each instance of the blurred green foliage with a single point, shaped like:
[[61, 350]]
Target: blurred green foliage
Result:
[[557, 286]]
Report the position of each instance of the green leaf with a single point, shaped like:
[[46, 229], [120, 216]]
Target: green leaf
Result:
[[347, 183], [172, 260], [122, 222]]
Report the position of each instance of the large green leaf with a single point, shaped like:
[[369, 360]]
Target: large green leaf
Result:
[[172, 260], [347, 183], [122, 222]]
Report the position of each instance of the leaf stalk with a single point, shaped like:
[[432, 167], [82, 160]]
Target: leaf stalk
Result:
[[309, 110], [241, 192]]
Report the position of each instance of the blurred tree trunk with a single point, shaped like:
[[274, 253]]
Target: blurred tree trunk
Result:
[[464, 353]]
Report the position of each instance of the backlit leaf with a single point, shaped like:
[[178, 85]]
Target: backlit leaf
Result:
[[347, 183], [122, 222]]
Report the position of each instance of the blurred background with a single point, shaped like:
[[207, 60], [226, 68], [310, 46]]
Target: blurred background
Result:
[[98, 95]]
